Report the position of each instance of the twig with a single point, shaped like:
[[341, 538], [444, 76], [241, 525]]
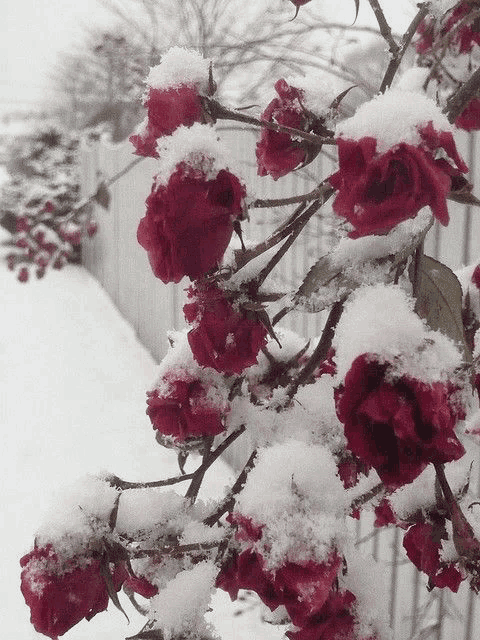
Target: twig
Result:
[[118, 483], [210, 457], [385, 29], [278, 202], [397, 57], [219, 112], [366, 497], [460, 98], [313, 208], [320, 351], [229, 500]]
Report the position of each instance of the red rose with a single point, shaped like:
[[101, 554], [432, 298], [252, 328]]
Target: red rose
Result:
[[376, 191], [423, 542], [467, 34], [182, 408], [171, 108], [59, 595], [189, 222], [302, 589], [224, 337], [23, 274], [458, 31], [469, 119], [277, 153], [335, 621], [145, 141], [398, 427]]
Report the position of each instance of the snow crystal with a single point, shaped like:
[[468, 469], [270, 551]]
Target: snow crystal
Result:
[[412, 79], [143, 510], [178, 609], [392, 118], [420, 494], [78, 514], [438, 8], [366, 580], [380, 320], [180, 66], [367, 248], [295, 492], [199, 147], [318, 92], [179, 363]]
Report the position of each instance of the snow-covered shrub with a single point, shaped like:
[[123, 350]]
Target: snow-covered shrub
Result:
[[378, 413]]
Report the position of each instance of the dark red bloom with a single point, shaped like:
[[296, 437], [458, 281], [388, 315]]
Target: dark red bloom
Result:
[[376, 191], [302, 589], [335, 620], [167, 109], [385, 516], [141, 586], [350, 468], [469, 119], [422, 542], [59, 595], [171, 108], [23, 274], [458, 31], [277, 153], [224, 336], [145, 142], [465, 31], [182, 408], [189, 223], [397, 427]]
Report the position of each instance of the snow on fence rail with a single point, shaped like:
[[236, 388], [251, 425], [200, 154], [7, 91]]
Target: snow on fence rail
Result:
[[116, 260]]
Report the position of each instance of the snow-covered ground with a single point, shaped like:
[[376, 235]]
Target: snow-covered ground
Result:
[[73, 380]]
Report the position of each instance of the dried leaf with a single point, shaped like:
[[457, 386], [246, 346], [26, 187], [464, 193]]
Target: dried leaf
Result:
[[439, 301], [357, 9], [336, 102], [152, 634], [102, 196], [112, 521], [182, 457], [465, 196], [323, 274], [111, 589]]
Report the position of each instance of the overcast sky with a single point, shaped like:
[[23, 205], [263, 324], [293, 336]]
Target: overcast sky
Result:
[[33, 32]]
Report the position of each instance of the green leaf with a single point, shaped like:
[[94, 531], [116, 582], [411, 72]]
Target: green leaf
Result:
[[338, 279], [102, 195], [439, 301]]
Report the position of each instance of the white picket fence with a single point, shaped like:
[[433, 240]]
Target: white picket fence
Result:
[[114, 257]]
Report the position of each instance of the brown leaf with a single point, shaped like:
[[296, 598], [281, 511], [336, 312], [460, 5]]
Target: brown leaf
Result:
[[107, 576], [439, 301], [102, 196], [357, 8]]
